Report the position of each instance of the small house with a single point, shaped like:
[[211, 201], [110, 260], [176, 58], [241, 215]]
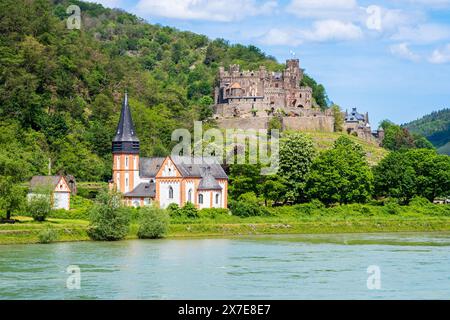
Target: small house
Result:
[[57, 186]]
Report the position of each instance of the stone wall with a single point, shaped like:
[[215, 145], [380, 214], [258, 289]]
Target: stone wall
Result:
[[323, 123]]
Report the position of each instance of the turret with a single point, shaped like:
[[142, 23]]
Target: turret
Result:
[[125, 149]]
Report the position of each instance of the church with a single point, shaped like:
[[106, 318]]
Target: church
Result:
[[163, 180]]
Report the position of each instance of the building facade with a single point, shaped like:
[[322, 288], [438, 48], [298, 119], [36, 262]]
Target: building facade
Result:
[[163, 180], [260, 92], [57, 186]]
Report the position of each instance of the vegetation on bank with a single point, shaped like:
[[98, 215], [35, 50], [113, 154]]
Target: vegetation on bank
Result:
[[419, 216]]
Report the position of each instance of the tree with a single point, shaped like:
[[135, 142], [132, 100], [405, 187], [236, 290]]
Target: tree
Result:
[[395, 177], [341, 175], [338, 118], [12, 195], [273, 189], [244, 178], [153, 224], [109, 219], [296, 156]]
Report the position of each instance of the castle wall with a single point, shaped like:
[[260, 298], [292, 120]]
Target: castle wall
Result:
[[320, 123], [323, 123]]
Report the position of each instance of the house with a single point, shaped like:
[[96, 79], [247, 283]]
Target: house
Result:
[[57, 186], [163, 180]]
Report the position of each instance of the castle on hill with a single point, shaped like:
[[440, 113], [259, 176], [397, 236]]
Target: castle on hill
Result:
[[251, 99]]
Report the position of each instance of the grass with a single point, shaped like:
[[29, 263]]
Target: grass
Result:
[[290, 220], [325, 140]]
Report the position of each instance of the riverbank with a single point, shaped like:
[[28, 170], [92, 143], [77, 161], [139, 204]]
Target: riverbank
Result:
[[27, 231]]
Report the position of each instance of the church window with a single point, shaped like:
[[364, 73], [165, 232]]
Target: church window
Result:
[[118, 162], [200, 198], [190, 195], [126, 182], [217, 198], [118, 183], [126, 162], [170, 192]]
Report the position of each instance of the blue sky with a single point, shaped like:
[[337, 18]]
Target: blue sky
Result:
[[390, 58]]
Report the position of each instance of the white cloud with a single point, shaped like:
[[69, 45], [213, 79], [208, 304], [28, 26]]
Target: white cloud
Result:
[[429, 3], [327, 30], [402, 50], [440, 56], [424, 33], [321, 31], [279, 37], [210, 10], [323, 8]]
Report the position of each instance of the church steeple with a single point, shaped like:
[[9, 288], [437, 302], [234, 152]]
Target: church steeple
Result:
[[125, 140]]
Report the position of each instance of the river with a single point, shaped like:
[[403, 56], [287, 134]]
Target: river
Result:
[[347, 266]]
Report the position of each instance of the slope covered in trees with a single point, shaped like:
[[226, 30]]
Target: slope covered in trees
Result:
[[435, 127], [60, 89]]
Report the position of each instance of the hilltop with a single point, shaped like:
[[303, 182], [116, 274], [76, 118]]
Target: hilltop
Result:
[[435, 127], [60, 89]]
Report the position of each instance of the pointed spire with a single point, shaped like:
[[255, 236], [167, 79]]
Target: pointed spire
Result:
[[125, 140]]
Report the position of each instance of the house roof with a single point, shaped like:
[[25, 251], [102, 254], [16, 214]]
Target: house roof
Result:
[[144, 189], [40, 182], [354, 116], [149, 167], [235, 85], [198, 167], [208, 182]]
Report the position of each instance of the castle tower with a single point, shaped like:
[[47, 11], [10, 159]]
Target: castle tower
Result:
[[125, 149]]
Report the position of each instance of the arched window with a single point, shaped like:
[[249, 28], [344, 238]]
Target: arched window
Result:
[[190, 195], [217, 198], [170, 192], [200, 198]]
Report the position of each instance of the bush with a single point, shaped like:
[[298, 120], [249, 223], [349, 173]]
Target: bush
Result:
[[39, 207], [47, 236], [419, 201], [153, 224], [109, 219], [247, 209], [213, 213], [187, 211]]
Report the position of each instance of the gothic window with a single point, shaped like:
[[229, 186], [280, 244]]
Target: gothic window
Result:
[[200, 198], [170, 192], [190, 195], [217, 198], [126, 162]]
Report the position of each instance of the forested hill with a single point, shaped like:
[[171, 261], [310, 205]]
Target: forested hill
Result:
[[60, 89], [435, 127]]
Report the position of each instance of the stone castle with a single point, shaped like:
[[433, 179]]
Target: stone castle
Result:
[[251, 99]]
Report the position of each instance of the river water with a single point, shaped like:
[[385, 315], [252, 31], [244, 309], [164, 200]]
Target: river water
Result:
[[350, 266]]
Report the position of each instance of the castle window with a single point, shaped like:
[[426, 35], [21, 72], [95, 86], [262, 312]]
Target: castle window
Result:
[[170, 192], [200, 198]]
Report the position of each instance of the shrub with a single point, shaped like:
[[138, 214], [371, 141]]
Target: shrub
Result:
[[419, 201], [174, 210], [47, 236], [189, 210], [153, 224], [247, 209], [213, 213], [39, 207], [109, 219]]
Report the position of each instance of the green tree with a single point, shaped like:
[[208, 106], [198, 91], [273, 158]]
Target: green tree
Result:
[[273, 189], [338, 118], [109, 219], [153, 223], [296, 157], [395, 177], [12, 195], [341, 175]]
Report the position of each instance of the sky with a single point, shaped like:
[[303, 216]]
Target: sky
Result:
[[388, 58]]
